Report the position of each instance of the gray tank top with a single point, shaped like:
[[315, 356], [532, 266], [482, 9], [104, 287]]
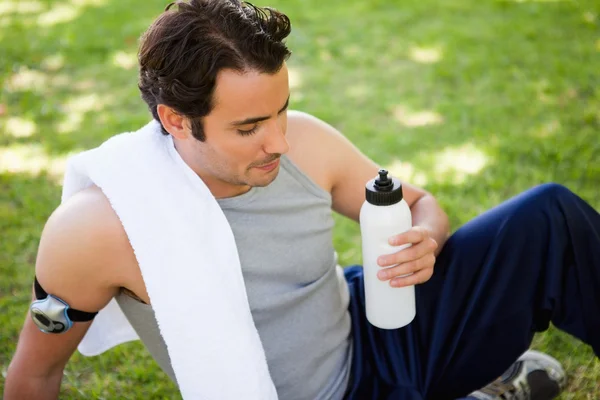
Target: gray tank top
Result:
[[298, 298]]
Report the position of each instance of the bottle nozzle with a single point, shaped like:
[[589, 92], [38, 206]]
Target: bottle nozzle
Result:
[[383, 182]]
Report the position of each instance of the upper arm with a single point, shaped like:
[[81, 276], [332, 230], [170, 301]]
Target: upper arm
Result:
[[346, 167], [76, 257]]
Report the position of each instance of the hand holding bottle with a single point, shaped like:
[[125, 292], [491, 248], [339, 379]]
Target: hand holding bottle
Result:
[[409, 266]]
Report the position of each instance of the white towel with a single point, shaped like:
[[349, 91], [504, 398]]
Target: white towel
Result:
[[189, 262]]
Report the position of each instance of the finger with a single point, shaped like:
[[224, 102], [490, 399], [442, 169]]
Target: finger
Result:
[[400, 270], [421, 276], [408, 254], [428, 261], [415, 234]]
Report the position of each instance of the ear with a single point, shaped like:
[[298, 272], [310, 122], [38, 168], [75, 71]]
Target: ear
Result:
[[176, 124]]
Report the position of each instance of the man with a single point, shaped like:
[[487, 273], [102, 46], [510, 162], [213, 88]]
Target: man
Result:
[[213, 74]]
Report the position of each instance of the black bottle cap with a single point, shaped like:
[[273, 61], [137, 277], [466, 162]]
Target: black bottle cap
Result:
[[383, 190]]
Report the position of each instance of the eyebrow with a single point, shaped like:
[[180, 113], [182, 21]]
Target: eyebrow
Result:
[[253, 120]]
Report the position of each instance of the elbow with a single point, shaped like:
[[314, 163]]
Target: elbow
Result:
[[22, 385], [23, 382]]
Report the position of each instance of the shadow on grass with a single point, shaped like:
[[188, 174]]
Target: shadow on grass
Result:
[[72, 84]]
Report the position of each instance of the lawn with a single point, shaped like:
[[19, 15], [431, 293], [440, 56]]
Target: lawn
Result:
[[476, 100]]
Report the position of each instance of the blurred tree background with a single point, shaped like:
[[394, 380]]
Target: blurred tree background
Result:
[[476, 100]]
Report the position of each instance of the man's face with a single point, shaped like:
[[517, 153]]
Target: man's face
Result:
[[245, 132]]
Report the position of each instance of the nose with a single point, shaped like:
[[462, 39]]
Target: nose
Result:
[[276, 141]]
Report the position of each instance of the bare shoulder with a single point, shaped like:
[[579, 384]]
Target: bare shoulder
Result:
[[84, 253], [317, 148], [86, 219], [305, 129], [330, 159], [88, 211]]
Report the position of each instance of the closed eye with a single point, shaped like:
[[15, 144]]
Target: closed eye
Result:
[[248, 132]]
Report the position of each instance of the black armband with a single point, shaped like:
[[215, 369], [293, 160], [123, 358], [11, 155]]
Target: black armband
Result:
[[53, 315]]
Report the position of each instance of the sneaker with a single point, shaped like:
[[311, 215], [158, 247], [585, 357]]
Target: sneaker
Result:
[[534, 376]]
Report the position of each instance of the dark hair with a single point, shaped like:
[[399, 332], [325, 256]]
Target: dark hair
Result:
[[184, 49]]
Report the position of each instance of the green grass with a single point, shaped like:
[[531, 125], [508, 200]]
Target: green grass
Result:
[[475, 100]]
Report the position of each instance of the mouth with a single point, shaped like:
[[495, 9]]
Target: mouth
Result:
[[268, 167]]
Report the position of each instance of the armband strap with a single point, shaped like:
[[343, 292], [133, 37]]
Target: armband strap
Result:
[[74, 315]]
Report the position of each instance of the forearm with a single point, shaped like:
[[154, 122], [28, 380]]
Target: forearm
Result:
[[20, 385], [427, 213]]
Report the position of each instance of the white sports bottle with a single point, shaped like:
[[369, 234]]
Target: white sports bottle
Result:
[[383, 215]]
